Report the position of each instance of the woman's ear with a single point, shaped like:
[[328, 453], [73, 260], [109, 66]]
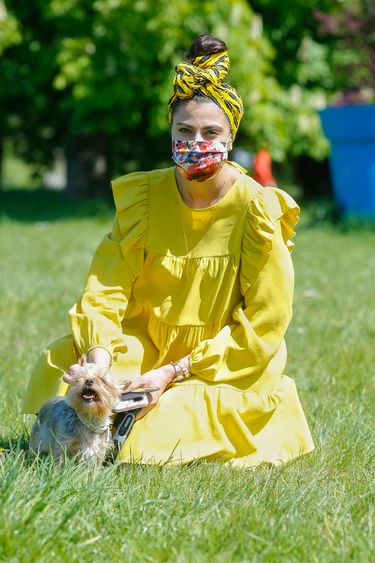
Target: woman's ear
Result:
[[230, 143]]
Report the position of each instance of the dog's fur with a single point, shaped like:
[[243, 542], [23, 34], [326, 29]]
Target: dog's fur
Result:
[[77, 425]]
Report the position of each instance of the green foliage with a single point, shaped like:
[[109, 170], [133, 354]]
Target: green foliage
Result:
[[9, 29], [322, 49], [107, 67], [350, 28], [287, 25], [117, 67], [30, 116], [303, 70]]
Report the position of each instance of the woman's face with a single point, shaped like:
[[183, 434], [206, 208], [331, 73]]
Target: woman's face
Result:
[[200, 121]]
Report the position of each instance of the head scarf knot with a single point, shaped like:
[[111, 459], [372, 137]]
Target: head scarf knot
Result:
[[205, 75]]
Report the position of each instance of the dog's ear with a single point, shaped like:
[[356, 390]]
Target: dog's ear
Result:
[[83, 360]]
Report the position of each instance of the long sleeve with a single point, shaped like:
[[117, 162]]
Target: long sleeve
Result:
[[246, 345], [97, 316]]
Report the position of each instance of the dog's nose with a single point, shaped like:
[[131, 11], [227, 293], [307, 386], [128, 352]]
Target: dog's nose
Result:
[[89, 382]]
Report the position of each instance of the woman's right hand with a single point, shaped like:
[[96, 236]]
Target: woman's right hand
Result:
[[98, 356], [101, 357], [158, 378]]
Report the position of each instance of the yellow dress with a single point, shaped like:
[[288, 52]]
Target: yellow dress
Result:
[[227, 303]]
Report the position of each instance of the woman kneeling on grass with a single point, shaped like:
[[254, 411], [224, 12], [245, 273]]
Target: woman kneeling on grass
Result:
[[196, 271]]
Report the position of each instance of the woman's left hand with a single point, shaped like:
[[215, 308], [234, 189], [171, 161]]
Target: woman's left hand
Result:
[[160, 378]]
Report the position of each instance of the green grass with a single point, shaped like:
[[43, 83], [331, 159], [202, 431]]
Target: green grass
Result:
[[319, 508]]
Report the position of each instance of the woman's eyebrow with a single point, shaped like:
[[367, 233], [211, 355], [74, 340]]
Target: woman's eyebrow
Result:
[[217, 127], [185, 124]]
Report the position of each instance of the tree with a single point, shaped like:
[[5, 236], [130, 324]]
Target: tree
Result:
[[322, 48], [95, 76], [9, 35], [302, 66], [350, 26], [30, 115], [9, 29]]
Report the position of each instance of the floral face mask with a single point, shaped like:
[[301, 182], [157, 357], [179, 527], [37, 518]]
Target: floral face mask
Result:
[[199, 160]]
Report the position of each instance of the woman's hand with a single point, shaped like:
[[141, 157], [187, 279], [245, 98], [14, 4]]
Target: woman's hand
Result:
[[101, 357], [160, 377], [98, 356]]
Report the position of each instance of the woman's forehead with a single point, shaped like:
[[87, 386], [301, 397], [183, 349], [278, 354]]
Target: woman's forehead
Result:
[[200, 114]]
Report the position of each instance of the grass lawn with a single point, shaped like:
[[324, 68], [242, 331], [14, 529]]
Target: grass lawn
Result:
[[319, 508]]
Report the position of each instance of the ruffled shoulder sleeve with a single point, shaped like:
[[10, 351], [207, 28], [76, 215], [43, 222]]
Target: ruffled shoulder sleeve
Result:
[[268, 206], [131, 197]]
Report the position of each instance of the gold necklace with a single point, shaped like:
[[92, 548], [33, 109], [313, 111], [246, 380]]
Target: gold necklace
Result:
[[188, 256]]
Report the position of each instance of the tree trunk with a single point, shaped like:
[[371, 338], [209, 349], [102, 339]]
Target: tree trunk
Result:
[[88, 166]]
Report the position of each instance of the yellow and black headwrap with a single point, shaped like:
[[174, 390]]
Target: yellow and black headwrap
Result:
[[205, 75]]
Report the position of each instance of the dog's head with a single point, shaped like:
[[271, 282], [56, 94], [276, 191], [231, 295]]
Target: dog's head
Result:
[[92, 391]]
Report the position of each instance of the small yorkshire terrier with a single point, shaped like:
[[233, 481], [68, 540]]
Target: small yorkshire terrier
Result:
[[78, 425]]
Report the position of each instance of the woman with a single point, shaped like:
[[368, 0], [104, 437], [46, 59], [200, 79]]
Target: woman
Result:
[[192, 291]]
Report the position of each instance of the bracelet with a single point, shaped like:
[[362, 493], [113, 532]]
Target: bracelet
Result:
[[181, 371]]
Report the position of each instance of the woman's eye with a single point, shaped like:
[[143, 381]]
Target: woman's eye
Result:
[[184, 130]]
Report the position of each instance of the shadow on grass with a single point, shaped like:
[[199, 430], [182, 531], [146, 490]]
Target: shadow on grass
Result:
[[16, 443], [30, 206]]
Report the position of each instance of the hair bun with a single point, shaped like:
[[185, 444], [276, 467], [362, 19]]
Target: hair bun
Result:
[[205, 44], [208, 55]]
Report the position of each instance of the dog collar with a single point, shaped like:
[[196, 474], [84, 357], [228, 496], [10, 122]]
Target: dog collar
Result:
[[94, 427]]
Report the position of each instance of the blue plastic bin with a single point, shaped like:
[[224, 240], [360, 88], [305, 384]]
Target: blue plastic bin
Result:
[[351, 132]]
